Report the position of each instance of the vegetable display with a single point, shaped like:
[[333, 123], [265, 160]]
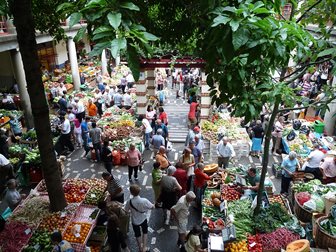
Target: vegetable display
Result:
[[94, 196], [14, 236], [230, 193], [32, 211], [278, 239], [271, 218], [75, 190], [329, 226], [242, 213], [302, 197], [254, 244], [40, 241]]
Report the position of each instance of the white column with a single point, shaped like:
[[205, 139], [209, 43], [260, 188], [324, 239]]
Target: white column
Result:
[[22, 83], [73, 63], [205, 98], [103, 63], [141, 92]]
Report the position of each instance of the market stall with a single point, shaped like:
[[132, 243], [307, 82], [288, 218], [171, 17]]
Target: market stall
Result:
[[32, 223], [227, 213]]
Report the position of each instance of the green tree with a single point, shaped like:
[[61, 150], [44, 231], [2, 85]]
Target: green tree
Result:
[[24, 23]]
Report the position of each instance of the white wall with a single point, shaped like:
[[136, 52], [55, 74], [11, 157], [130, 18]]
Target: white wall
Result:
[[61, 53]]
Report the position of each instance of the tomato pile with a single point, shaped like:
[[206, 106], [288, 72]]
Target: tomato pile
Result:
[[240, 246], [254, 244], [84, 231], [55, 221], [230, 193], [277, 199], [219, 224], [75, 190]]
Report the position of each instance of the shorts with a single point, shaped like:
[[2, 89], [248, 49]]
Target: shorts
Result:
[[144, 227], [182, 226]]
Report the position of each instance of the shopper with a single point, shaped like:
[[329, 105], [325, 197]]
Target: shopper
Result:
[[115, 237], [79, 109], [289, 166], [60, 244], [6, 170], [156, 182], [180, 212], [328, 170], [151, 115], [181, 176], [15, 127], [192, 112], [162, 158], [123, 83], [200, 182], [4, 143], [107, 157], [62, 103], [188, 163], [65, 137], [113, 187], [133, 157], [312, 165], [277, 136], [192, 133], [95, 135], [157, 141], [147, 128], [257, 137], [139, 207], [225, 152], [12, 197], [161, 126], [197, 153], [193, 243], [117, 99], [199, 143], [169, 188], [163, 116], [78, 132], [85, 135], [92, 108], [127, 100]]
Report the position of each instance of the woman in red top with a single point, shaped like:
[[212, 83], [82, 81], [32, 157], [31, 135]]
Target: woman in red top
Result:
[[200, 182], [181, 176], [192, 112], [163, 116]]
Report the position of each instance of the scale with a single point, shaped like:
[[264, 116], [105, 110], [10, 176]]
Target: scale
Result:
[[229, 234]]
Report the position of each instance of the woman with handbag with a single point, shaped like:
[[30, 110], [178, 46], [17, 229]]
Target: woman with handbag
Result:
[[277, 135], [188, 162], [156, 181], [133, 158]]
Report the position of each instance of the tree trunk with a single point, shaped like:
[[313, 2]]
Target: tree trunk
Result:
[[23, 21]]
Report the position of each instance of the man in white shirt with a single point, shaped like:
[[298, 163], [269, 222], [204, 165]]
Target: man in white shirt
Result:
[[6, 169], [127, 100], [225, 151], [130, 80], [139, 208], [80, 109], [117, 98], [148, 131], [65, 138], [312, 165], [181, 212]]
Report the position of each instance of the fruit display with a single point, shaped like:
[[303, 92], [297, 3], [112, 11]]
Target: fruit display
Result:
[[99, 184], [117, 133], [298, 246], [58, 220], [277, 199], [95, 248], [240, 246], [218, 224], [75, 190], [32, 211], [210, 168], [77, 232], [14, 236], [94, 196], [40, 241], [254, 244], [230, 193]]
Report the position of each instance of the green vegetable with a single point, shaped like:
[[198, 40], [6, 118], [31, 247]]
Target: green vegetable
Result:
[[40, 241]]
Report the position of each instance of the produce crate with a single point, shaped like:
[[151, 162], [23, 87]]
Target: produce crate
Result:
[[80, 247], [277, 172], [98, 234], [302, 214], [84, 212], [323, 239]]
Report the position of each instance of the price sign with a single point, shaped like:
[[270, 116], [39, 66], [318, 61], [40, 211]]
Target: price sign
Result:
[[222, 206], [77, 235], [37, 247], [93, 195], [63, 214], [27, 231]]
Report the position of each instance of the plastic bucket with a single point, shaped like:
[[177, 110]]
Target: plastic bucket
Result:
[[318, 127]]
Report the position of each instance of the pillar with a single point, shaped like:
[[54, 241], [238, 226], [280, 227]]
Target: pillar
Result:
[[141, 93], [73, 63], [103, 63], [329, 117], [150, 81], [22, 83], [205, 98], [87, 45], [117, 61], [61, 53]]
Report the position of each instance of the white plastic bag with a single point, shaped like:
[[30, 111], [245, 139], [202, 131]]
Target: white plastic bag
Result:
[[169, 146]]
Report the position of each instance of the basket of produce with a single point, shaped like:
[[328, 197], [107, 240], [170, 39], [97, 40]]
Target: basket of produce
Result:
[[326, 233], [230, 193], [210, 168], [303, 214]]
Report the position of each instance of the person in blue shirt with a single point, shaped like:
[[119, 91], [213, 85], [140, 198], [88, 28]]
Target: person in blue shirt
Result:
[[85, 135], [289, 166], [60, 244], [160, 125], [101, 87], [63, 103]]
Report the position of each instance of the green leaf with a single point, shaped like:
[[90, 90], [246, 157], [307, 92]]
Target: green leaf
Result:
[[138, 27], [80, 34], [234, 25], [330, 51], [149, 36], [96, 3], [220, 20], [74, 18], [240, 38], [262, 11], [102, 29], [99, 47], [114, 19], [229, 9], [283, 34], [130, 6], [133, 62], [102, 35], [64, 6], [117, 44], [252, 109]]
